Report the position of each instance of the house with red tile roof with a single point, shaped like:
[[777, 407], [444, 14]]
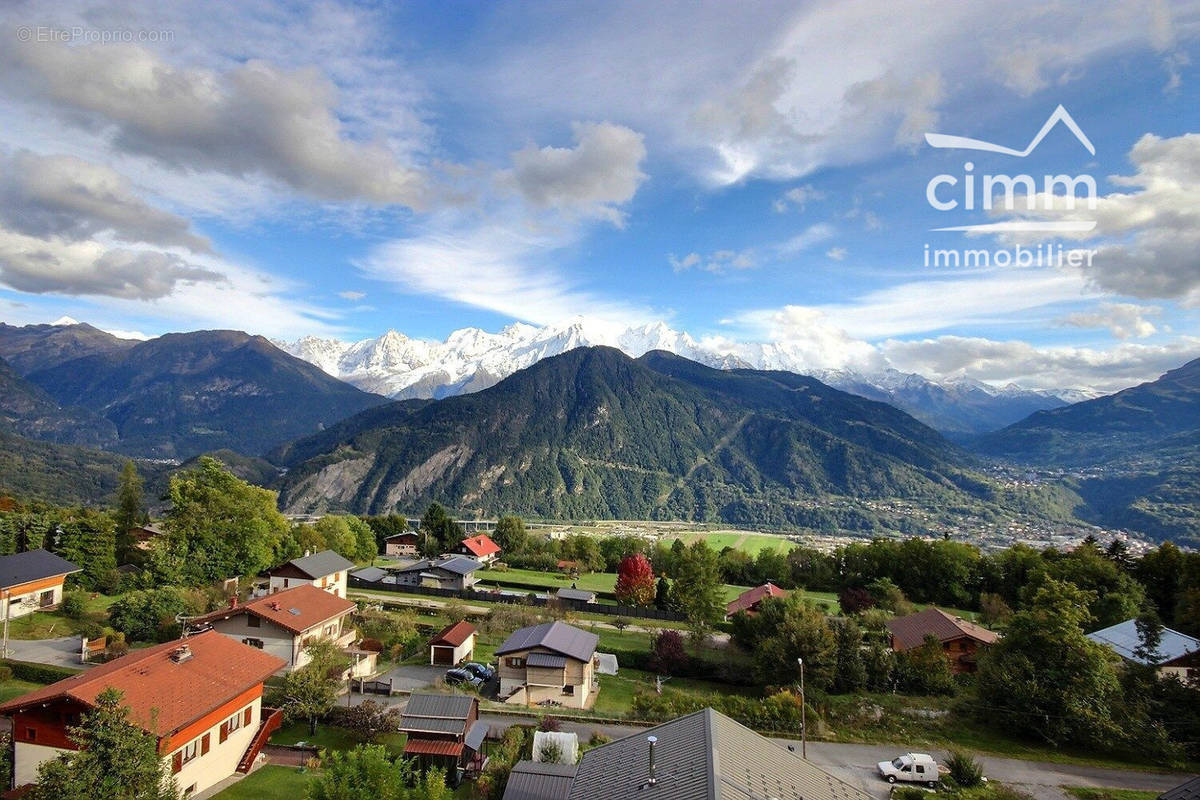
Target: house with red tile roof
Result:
[[284, 623], [200, 696], [960, 638], [481, 548], [749, 600], [454, 644]]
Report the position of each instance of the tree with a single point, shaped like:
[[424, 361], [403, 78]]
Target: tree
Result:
[[855, 600], [790, 628], [1046, 678], [662, 594], [992, 609], [365, 772], [925, 669], [131, 509], [698, 591], [1150, 632], [850, 673], [635, 581], [439, 533], [149, 615], [311, 691], [221, 524], [510, 534], [365, 547], [115, 759], [667, 652], [89, 539]]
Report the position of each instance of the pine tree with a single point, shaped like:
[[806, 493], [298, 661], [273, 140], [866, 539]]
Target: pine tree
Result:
[[851, 674], [131, 509]]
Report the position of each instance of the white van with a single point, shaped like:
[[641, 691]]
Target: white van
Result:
[[913, 768]]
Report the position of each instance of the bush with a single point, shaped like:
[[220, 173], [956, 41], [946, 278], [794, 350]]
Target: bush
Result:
[[5, 674], [908, 793], [73, 604], [549, 723], [149, 614], [964, 769], [38, 673], [599, 738]]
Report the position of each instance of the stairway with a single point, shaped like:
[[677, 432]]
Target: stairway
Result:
[[272, 720]]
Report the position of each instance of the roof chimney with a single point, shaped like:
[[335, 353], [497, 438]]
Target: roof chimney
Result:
[[181, 654], [652, 779], [233, 601]]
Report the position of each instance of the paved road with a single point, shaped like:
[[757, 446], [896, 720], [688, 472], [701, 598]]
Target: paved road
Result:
[[63, 652]]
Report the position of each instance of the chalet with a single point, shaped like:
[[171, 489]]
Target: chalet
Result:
[[32, 581], [454, 644], [552, 661], [283, 623], [749, 600], [444, 732], [401, 544], [960, 639], [142, 536], [1177, 654], [703, 754], [326, 570], [454, 572], [200, 696], [481, 548]]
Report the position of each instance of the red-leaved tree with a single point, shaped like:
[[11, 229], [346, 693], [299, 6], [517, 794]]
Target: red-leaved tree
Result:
[[668, 656], [635, 581]]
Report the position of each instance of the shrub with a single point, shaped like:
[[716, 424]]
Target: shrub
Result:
[[38, 673], [549, 723], [74, 604], [964, 769], [5, 674], [551, 752], [599, 738], [908, 793]]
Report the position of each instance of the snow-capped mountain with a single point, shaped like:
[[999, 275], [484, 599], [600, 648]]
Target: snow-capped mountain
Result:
[[471, 359]]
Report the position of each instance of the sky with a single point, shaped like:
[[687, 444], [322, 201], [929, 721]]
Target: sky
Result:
[[752, 173]]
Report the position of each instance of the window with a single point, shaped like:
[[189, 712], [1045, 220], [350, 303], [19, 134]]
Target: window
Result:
[[254, 643], [47, 599], [253, 621], [516, 663], [31, 734], [189, 752], [235, 722], [569, 689]]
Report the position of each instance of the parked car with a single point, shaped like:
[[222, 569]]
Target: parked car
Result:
[[911, 768], [458, 676], [481, 671]]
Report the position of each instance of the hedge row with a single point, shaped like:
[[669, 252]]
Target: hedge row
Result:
[[38, 673]]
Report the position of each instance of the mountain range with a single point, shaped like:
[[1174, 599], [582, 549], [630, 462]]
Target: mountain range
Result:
[[167, 398], [595, 433], [471, 359]]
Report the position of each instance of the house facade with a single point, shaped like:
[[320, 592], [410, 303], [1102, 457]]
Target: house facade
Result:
[[444, 732], [401, 544], [32, 581], [552, 661], [284, 623], [961, 640], [201, 696], [326, 570], [481, 548], [455, 572], [749, 600]]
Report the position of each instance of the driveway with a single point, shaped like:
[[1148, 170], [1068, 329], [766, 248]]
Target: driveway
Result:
[[62, 652], [413, 676]]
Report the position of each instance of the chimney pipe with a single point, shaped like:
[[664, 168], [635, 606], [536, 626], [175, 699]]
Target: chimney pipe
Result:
[[652, 779], [233, 601]]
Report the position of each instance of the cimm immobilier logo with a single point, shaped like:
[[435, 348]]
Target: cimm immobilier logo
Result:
[[1011, 195]]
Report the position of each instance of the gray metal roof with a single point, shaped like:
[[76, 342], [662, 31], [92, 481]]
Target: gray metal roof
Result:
[[549, 660], [476, 735], [557, 636], [437, 713], [370, 574], [460, 565], [1123, 638], [576, 594], [703, 755], [32, 565], [1188, 790], [530, 780], [318, 565]]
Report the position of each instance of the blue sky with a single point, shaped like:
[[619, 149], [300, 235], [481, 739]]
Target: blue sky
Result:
[[759, 175]]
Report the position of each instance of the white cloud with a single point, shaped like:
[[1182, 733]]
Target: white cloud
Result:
[[837, 253], [797, 198], [601, 172], [352, 295], [1123, 320], [810, 236], [254, 119], [718, 262]]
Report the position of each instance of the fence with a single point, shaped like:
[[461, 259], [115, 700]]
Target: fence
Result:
[[374, 687], [521, 599]]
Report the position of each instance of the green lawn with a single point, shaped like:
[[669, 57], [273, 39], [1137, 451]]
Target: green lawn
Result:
[[53, 624], [15, 688], [331, 737], [269, 783], [750, 543], [592, 581], [617, 691]]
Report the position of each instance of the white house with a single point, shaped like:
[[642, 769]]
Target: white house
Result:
[[326, 570], [201, 696], [32, 581]]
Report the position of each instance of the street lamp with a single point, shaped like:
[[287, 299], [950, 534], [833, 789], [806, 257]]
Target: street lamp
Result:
[[803, 721]]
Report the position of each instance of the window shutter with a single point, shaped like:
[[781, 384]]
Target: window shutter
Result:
[[205, 742], [224, 732], [246, 715], [177, 762]]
